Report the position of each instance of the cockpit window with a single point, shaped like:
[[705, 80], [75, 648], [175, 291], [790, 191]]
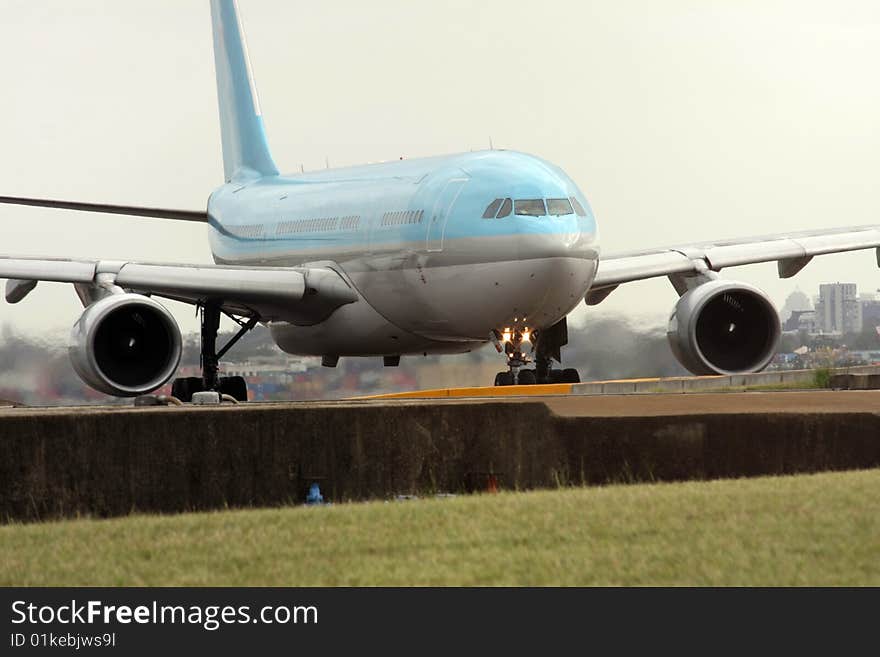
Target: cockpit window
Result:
[[533, 207], [558, 206], [505, 208], [578, 207], [492, 209]]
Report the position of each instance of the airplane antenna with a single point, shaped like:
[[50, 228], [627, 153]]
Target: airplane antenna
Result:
[[491, 147], [302, 168], [327, 161]]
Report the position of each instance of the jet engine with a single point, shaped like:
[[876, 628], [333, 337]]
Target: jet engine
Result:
[[724, 327], [125, 345]]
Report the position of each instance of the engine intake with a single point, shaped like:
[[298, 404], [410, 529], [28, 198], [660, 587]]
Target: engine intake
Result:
[[724, 327], [125, 345]]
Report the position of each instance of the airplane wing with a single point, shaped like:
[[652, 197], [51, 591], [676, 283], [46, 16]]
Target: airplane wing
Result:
[[131, 210], [299, 294], [791, 251], [303, 295]]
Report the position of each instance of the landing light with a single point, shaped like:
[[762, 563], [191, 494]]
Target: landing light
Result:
[[505, 337], [527, 335]]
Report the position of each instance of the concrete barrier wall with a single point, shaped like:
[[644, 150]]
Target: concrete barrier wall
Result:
[[114, 462], [855, 381], [705, 383]]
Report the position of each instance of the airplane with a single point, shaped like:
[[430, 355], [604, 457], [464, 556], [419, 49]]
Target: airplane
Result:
[[436, 255]]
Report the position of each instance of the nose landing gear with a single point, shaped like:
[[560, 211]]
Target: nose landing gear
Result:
[[546, 346], [511, 343]]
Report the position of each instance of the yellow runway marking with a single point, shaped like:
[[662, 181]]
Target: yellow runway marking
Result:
[[486, 391]]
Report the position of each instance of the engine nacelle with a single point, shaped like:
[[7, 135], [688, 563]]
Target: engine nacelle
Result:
[[724, 327], [125, 345]]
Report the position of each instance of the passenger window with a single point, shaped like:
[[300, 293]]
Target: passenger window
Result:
[[492, 210], [558, 206], [506, 207], [578, 207], [532, 207]]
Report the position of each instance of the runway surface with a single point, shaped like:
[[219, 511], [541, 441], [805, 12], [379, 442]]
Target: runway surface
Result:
[[674, 404], [630, 405], [800, 402]]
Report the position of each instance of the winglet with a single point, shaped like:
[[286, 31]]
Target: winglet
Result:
[[245, 149]]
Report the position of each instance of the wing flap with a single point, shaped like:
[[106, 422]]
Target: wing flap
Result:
[[614, 271], [822, 244], [47, 269], [719, 257], [300, 295], [254, 285], [791, 249]]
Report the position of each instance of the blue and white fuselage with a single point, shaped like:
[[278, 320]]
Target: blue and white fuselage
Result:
[[442, 251]]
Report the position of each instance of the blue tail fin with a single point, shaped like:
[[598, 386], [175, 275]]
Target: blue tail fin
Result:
[[245, 150]]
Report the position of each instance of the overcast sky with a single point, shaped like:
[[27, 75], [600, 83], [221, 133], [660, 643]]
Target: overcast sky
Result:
[[680, 120]]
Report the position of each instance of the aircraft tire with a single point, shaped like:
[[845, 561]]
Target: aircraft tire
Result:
[[235, 386], [570, 375], [184, 387], [527, 378]]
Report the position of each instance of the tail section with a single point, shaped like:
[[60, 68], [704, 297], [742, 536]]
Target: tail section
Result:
[[245, 150]]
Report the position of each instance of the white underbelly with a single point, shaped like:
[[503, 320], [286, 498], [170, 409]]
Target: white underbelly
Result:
[[465, 302]]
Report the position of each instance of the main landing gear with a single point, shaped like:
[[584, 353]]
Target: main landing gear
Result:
[[235, 386], [546, 346]]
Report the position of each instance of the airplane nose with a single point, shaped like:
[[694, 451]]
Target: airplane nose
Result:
[[556, 268], [564, 238], [545, 289]]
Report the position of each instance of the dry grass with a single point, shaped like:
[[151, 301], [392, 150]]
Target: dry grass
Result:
[[800, 530]]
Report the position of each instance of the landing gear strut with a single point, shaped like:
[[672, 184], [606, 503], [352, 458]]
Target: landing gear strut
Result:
[[235, 386], [546, 346], [511, 342]]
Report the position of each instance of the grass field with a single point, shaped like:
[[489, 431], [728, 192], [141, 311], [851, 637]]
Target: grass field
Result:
[[800, 530]]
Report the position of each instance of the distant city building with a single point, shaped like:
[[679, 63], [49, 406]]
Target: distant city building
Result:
[[838, 309], [870, 312], [867, 356], [796, 301], [801, 320]]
